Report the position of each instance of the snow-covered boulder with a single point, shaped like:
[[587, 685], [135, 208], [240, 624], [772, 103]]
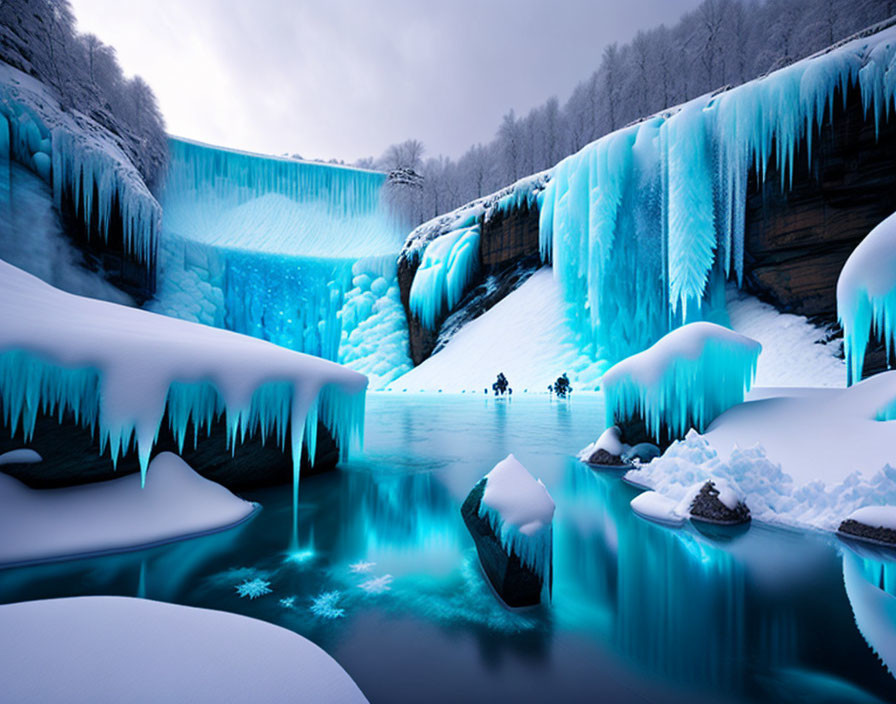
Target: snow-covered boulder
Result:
[[607, 450], [119, 649], [658, 508], [509, 513], [876, 524], [686, 379], [719, 503]]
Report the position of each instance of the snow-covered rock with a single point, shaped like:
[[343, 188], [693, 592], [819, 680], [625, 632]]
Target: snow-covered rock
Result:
[[685, 380], [113, 516], [655, 507], [876, 524], [118, 649], [607, 450], [718, 502], [117, 369], [509, 513]]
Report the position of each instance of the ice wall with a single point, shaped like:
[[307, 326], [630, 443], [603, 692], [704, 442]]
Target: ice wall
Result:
[[271, 247], [644, 224], [80, 159]]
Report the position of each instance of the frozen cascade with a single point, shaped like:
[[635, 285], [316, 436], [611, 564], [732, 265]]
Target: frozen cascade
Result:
[[80, 159], [663, 200], [283, 250]]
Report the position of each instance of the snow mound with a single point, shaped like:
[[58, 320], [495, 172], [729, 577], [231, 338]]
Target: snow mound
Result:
[[866, 295], [117, 369], [113, 516], [92, 649], [520, 511], [685, 380], [610, 440], [875, 516], [23, 456], [655, 507]]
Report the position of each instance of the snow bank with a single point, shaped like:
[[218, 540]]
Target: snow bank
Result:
[[23, 456], [113, 516], [685, 380], [866, 294], [91, 649], [526, 335], [80, 158], [644, 225], [520, 511], [806, 459], [116, 369]]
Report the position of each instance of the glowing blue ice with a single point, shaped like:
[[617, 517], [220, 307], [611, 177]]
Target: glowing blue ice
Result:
[[685, 380], [253, 588], [326, 606]]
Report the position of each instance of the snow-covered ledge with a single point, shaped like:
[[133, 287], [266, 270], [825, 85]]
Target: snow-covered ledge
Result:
[[117, 369], [119, 649], [113, 516]]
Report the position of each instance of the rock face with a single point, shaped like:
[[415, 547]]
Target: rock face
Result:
[[601, 456], [71, 456], [508, 249], [516, 584], [707, 506], [855, 529]]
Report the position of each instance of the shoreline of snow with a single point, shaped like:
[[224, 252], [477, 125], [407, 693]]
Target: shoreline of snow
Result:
[[109, 648], [114, 516]]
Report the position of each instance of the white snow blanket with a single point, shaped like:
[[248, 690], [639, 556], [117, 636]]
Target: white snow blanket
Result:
[[42, 525], [117, 649], [804, 457]]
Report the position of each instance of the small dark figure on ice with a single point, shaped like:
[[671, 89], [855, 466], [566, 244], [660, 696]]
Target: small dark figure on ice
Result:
[[501, 386], [561, 387]]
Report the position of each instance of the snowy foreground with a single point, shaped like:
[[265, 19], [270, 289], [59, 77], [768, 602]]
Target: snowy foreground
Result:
[[115, 649], [113, 516], [804, 457]]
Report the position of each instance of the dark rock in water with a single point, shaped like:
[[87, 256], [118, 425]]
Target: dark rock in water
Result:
[[71, 456], [707, 506], [855, 529], [516, 584], [601, 456]]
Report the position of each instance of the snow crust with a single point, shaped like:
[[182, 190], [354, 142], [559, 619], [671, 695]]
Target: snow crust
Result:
[[866, 289], [113, 516], [686, 379], [80, 158], [663, 200], [527, 336], [802, 457], [116, 368], [520, 511], [90, 649]]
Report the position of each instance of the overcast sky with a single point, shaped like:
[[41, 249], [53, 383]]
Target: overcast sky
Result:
[[346, 78]]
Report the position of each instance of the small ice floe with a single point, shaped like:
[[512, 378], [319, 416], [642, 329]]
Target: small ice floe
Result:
[[362, 567], [23, 456], [253, 588], [658, 508], [377, 585], [325, 605], [875, 524]]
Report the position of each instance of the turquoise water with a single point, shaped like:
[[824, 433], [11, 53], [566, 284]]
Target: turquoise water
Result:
[[639, 612]]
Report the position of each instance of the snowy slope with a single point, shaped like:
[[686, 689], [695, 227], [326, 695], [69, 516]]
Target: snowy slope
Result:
[[118, 649], [526, 336], [113, 516], [794, 351]]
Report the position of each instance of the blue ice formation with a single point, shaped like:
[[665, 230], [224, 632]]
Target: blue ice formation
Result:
[[448, 266], [253, 588], [447, 248], [82, 163], [643, 225], [686, 379], [866, 296], [870, 581], [298, 253]]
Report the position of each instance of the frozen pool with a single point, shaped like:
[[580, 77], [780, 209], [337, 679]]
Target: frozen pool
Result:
[[386, 579]]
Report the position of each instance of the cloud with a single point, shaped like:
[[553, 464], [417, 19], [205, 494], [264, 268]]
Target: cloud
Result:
[[346, 78]]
